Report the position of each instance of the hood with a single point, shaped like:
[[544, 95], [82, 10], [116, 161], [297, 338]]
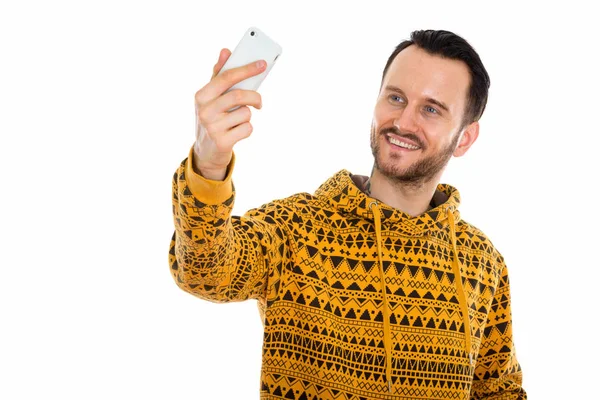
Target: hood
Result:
[[344, 191]]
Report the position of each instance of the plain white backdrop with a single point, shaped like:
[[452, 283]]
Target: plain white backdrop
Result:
[[96, 113]]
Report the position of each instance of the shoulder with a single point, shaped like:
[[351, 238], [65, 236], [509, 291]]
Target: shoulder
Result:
[[286, 210], [480, 254], [470, 236]]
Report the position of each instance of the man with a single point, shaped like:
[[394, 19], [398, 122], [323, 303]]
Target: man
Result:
[[370, 287]]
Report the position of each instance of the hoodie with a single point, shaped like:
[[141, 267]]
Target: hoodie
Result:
[[358, 300]]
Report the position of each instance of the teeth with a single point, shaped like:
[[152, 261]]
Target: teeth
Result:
[[402, 144]]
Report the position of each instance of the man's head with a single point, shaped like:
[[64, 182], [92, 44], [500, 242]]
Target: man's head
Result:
[[433, 91]]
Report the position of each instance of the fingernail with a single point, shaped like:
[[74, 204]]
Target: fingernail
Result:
[[260, 64]]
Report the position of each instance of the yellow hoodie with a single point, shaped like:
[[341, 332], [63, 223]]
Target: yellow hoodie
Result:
[[358, 299]]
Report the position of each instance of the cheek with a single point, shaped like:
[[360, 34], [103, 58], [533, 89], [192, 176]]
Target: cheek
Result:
[[380, 112], [439, 140], [380, 120]]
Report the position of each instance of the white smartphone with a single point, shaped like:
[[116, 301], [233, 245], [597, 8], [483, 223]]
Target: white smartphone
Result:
[[255, 45]]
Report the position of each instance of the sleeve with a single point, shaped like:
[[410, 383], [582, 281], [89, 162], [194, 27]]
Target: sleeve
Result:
[[498, 374], [219, 257]]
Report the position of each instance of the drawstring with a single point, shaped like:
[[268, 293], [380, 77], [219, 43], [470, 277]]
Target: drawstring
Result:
[[387, 337], [462, 297]]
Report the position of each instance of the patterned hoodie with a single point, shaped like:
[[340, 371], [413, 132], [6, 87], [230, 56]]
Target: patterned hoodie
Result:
[[358, 300]]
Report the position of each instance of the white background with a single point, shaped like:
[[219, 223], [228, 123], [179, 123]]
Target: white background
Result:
[[97, 113]]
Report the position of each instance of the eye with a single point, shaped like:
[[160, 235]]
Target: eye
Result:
[[431, 110], [393, 96]]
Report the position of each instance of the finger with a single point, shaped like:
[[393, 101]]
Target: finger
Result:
[[236, 97], [236, 134], [227, 79], [231, 120], [223, 57]]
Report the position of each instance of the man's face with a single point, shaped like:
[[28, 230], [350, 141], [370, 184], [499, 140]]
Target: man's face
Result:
[[422, 101]]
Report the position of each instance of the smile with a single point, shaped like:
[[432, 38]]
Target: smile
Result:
[[402, 144]]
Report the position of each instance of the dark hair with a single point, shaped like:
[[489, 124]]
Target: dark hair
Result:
[[449, 45]]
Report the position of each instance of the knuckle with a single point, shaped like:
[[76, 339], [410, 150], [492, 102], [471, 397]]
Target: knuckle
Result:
[[202, 115], [258, 100], [246, 113], [238, 95], [228, 75]]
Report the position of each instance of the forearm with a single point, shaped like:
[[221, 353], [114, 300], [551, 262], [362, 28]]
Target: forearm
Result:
[[203, 242], [215, 255]]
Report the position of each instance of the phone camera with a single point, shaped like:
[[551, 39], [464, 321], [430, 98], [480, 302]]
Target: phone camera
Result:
[[252, 33]]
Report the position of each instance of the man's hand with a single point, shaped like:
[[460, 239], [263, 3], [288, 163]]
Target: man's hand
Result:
[[217, 130]]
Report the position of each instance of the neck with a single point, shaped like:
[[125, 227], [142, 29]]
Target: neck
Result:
[[412, 199]]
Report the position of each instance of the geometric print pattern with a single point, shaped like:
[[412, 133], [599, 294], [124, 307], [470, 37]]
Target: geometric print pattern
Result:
[[311, 262]]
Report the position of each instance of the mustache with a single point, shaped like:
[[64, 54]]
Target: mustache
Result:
[[408, 136]]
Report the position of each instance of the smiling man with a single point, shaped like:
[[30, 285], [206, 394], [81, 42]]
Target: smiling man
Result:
[[372, 287]]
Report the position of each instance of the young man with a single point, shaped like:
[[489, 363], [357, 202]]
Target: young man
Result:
[[372, 287]]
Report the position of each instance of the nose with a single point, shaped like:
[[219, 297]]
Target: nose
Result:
[[406, 121]]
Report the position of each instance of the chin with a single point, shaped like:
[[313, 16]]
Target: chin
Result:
[[392, 166]]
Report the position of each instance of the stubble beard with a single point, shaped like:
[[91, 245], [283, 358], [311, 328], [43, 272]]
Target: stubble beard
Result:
[[417, 174]]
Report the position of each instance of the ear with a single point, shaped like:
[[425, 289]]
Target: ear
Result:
[[470, 134]]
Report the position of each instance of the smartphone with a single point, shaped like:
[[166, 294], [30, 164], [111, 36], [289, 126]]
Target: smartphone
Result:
[[255, 45]]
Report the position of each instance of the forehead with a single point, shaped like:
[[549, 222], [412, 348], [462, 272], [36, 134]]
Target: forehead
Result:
[[421, 75]]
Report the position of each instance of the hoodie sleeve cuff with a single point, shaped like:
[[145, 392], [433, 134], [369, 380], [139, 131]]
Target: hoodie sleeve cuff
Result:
[[206, 190]]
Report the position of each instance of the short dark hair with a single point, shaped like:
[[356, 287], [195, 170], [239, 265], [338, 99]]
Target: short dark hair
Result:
[[449, 45]]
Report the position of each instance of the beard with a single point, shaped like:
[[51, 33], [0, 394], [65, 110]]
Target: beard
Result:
[[420, 172]]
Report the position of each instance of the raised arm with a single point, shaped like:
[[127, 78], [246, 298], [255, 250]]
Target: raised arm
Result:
[[214, 255], [219, 257]]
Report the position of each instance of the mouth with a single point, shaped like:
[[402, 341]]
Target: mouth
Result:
[[401, 144]]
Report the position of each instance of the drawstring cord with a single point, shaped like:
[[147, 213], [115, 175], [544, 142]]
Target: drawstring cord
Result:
[[387, 336], [462, 297]]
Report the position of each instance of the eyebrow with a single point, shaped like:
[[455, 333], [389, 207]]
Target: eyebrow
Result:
[[431, 100]]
